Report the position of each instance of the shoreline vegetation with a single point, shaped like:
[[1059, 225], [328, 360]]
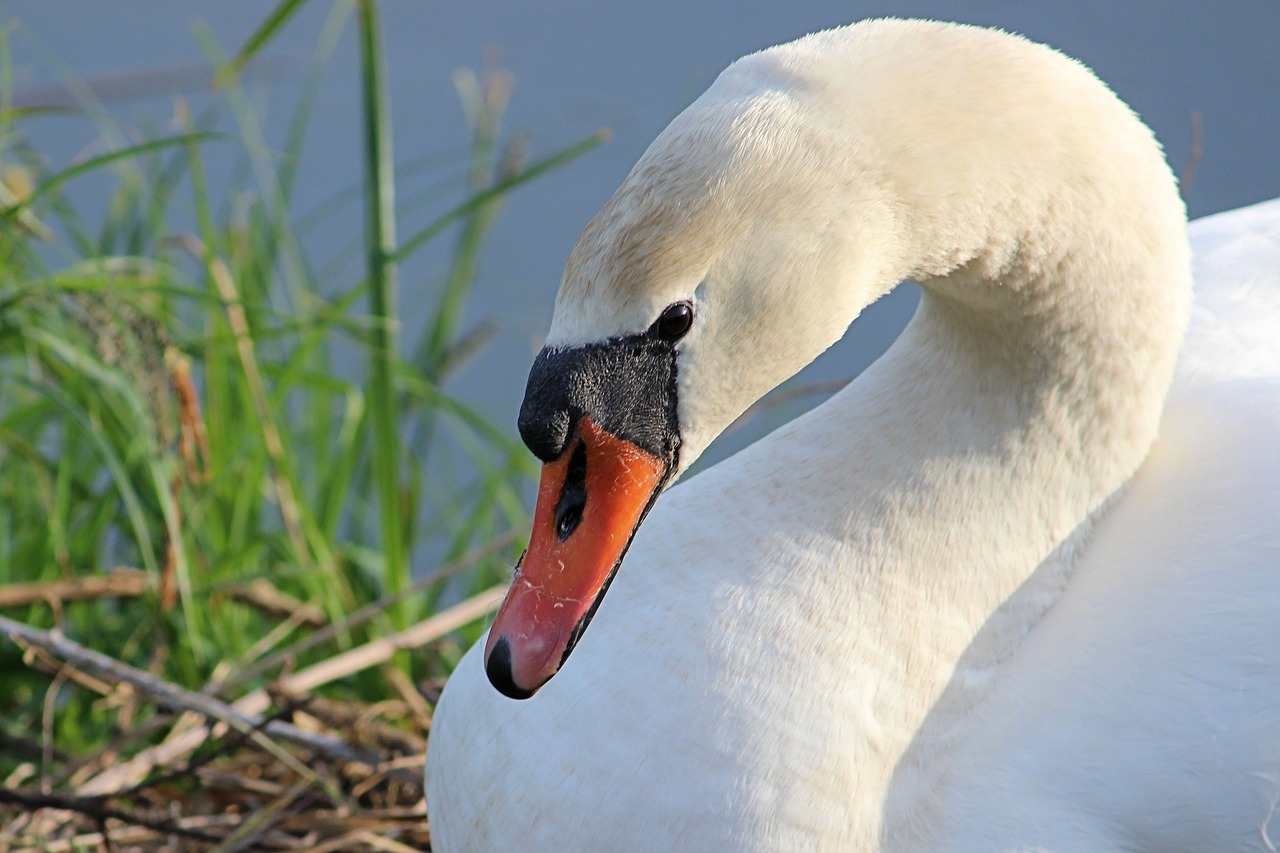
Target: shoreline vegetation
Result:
[[210, 636]]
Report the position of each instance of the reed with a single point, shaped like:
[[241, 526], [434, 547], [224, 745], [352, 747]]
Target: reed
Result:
[[172, 406]]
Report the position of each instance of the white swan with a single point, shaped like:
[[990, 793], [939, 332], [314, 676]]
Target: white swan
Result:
[[940, 611]]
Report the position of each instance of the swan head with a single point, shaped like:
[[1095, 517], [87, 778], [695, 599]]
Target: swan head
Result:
[[734, 253]]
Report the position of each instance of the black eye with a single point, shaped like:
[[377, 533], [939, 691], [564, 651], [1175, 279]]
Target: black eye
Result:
[[675, 321]]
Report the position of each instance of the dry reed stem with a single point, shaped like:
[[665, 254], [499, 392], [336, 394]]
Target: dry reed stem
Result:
[[264, 596], [271, 437], [118, 583], [95, 663], [175, 748], [369, 611]]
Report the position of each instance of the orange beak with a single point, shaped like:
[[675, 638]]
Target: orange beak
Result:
[[590, 501]]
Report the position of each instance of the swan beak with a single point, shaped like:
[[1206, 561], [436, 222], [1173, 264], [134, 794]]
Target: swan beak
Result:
[[590, 501]]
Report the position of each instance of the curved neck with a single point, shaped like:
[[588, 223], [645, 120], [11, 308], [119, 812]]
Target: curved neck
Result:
[[967, 460], [1045, 228], [1027, 390]]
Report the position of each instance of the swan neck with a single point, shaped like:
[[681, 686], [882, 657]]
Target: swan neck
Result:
[[956, 476]]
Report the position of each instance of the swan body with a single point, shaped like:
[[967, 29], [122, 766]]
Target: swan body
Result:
[[1017, 587]]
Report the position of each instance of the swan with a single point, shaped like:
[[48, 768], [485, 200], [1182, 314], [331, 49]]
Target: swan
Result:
[[1015, 588]]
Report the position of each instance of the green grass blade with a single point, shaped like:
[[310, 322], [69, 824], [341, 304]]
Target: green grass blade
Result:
[[115, 464], [335, 24], [279, 16], [57, 180], [479, 200], [380, 250]]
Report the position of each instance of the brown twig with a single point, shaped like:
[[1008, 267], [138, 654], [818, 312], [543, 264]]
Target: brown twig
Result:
[[370, 611], [131, 771], [172, 696], [262, 595], [118, 583], [261, 821], [381, 649], [353, 717], [199, 761], [95, 808]]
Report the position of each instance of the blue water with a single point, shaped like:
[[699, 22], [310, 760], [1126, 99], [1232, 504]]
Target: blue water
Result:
[[580, 65]]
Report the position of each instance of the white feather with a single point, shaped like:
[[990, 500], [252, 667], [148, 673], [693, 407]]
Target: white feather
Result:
[[940, 611]]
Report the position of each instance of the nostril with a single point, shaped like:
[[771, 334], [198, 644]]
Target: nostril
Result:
[[573, 497], [567, 517]]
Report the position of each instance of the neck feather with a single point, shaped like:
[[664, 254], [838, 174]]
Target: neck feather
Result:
[[943, 479], [1026, 391]]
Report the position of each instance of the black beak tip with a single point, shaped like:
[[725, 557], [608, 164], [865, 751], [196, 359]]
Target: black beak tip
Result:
[[498, 668]]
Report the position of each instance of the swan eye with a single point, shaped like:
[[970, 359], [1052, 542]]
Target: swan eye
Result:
[[675, 322]]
